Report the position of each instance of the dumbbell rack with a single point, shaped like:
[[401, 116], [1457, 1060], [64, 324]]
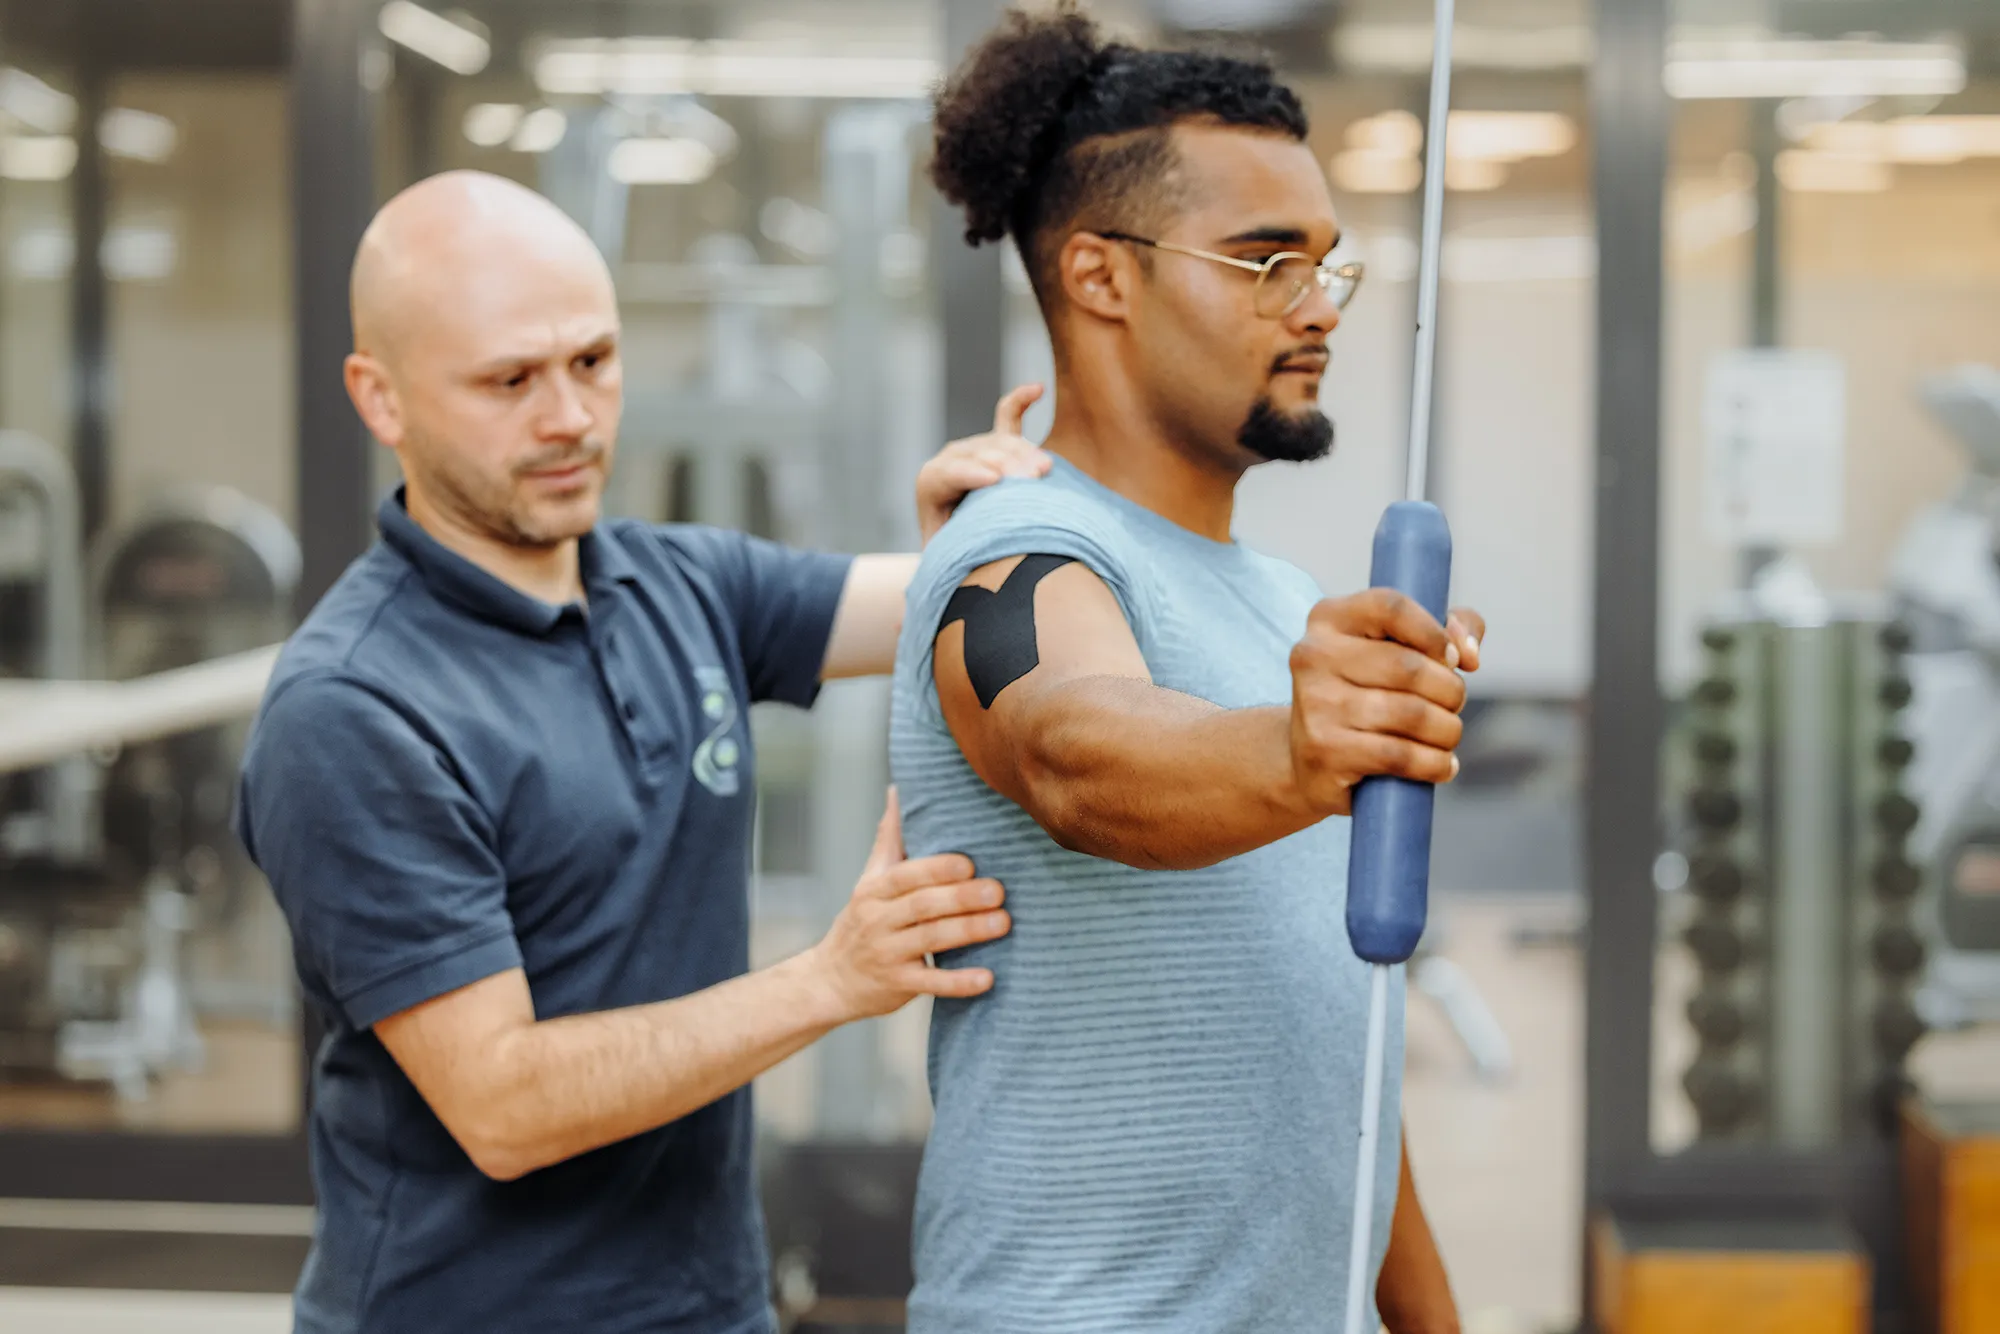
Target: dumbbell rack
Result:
[[1802, 928]]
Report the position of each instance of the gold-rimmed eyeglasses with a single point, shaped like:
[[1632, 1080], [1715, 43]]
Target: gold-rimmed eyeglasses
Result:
[[1284, 281]]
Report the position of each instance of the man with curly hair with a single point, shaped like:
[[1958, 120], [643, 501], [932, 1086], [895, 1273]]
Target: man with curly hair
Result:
[[1152, 734]]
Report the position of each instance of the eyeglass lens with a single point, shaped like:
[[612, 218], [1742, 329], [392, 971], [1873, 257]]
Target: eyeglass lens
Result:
[[1285, 285]]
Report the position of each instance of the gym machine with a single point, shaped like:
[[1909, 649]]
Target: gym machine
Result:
[[103, 934], [1945, 579]]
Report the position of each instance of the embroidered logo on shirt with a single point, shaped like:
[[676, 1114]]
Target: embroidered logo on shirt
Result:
[[716, 757]]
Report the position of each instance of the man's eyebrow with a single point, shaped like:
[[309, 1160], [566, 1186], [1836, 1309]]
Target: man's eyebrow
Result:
[[1289, 236], [520, 360]]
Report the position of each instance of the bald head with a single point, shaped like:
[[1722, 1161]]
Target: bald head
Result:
[[451, 242], [486, 356]]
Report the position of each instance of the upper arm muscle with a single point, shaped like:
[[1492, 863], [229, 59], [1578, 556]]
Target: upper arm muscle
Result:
[[442, 1044], [1078, 630]]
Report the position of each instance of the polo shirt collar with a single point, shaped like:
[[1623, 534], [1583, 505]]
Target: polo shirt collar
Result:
[[457, 580]]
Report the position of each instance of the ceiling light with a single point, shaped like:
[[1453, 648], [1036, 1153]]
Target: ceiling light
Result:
[[668, 66], [1405, 48], [661, 161], [139, 135], [1473, 174], [1509, 136], [452, 43], [1362, 171], [1394, 132], [1766, 68], [491, 124], [540, 130], [37, 157], [35, 104], [1808, 172], [1913, 140]]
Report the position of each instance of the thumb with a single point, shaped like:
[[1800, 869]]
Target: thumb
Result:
[[1012, 406], [888, 849]]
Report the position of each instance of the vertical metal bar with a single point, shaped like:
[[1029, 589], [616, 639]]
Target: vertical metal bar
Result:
[[333, 166], [333, 196], [1765, 272], [1630, 120], [1807, 927], [1764, 261], [972, 300], [1436, 133], [90, 300]]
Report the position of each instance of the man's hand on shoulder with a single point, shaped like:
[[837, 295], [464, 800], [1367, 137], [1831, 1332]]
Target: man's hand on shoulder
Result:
[[964, 466], [1376, 690]]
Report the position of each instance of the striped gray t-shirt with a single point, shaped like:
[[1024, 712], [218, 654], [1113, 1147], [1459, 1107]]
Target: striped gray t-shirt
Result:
[[1150, 1123]]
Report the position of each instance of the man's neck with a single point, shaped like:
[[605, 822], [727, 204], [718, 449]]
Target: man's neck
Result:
[[552, 574], [1110, 437]]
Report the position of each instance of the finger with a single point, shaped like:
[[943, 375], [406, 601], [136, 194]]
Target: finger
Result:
[[1383, 613], [958, 982], [959, 476], [1397, 757], [888, 849], [1015, 458], [1466, 628], [1377, 665], [932, 902], [954, 933], [1391, 713], [945, 869], [1013, 405]]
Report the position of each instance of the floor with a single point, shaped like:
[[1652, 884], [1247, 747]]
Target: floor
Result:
[[1497, 1164]]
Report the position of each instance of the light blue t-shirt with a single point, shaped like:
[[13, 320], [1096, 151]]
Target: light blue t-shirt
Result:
[[1150, 1123]]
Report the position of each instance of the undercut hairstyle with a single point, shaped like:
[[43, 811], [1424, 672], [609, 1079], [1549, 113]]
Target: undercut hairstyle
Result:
[[1046, 129]]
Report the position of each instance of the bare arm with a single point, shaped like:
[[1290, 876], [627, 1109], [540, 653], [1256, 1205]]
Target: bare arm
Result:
[[1413, 1293], [1113, 765], [519, 1094]]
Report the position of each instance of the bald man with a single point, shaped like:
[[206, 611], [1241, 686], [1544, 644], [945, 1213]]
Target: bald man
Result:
[[501, 785]]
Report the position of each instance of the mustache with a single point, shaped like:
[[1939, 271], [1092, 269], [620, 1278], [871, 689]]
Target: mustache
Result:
[[562, 456], [1301, 359]]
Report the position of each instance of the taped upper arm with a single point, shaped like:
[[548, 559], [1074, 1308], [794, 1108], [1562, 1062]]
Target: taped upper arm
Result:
[[1000, 653]]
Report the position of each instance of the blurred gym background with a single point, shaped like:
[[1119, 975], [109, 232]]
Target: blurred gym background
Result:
[[1710, 992]]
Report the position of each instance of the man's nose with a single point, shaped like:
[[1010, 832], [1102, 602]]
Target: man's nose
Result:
[[567, 414], [1318, 313]]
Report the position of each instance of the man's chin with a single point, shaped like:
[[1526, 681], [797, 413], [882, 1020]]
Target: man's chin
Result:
[[1301, 434], [550, 520]]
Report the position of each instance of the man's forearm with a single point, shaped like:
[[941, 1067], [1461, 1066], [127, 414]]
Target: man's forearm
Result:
[[1123, 769], [1413, 1293], [561, 1087]]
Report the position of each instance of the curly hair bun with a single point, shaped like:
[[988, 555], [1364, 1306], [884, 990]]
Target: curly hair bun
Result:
[[999, 118]]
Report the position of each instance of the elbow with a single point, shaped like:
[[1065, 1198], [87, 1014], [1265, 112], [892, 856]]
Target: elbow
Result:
[[499, 1157]]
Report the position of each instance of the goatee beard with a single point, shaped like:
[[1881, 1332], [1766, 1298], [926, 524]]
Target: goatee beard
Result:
[[1284, 437]]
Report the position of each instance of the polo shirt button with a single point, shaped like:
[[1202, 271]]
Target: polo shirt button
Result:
[[631, 711]]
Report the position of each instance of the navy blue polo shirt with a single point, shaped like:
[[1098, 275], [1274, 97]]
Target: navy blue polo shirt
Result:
[[449, 779]]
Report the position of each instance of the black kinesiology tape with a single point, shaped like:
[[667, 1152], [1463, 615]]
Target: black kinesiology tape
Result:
[[1000, 627]]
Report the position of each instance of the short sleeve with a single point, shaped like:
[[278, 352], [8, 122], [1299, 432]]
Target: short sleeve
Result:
[[1014, 518], [385, 866], [783, 600]]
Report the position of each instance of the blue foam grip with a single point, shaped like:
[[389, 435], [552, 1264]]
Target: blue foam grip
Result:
[[1389, 862]]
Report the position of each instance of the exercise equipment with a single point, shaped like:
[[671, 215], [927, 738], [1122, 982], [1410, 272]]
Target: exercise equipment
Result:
[[1388, 873], [1803, 898], [1945, 581]]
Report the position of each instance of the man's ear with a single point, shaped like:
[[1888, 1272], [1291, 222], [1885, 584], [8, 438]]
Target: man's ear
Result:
[[1098, 276], [374, 398]]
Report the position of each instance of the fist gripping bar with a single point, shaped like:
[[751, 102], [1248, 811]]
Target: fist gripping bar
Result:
[[1389, 857]]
